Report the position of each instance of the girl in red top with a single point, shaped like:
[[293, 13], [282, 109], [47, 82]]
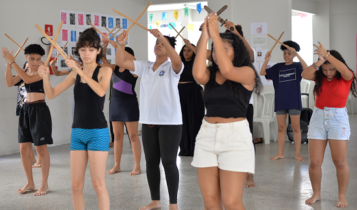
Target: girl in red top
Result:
[[329, 122]]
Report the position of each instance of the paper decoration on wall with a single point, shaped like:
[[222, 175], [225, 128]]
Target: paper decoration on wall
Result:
[[96, 19], [186, 11], [190, 27], [64, 34], [260, 54], [164, 16], [171, 24], [72, 18], [88, 19], [125, 23], [64, 17], [117, 22], [259, 40], [158, 23], [176, 14], [110, 22], [150, 17], [80, 19], [73, 36], [103, 21], [258, 28], [199, 8]]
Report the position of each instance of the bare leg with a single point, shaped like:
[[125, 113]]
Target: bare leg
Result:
[[38, 163], [339, 156], [97, 165], [33, 159], [232, 185], [26, 162], [42, 151], [250, 181], [317, 152], [295, 124], [118, 128], [135, 145], [208, 180], [79, 159], [281, 136]]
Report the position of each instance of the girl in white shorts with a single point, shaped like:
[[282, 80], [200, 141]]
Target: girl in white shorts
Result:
[[329, 121], [224, 152]]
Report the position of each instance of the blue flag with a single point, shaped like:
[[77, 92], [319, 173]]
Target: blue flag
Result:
[[164, 16], [173, 24], [199, 8]]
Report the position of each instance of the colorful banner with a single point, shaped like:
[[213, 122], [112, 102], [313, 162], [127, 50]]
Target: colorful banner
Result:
[[164, 16], [173, 24], [158, 23], [186, 11], [190, 27], [199, 8], [150, 17], [176, 14]]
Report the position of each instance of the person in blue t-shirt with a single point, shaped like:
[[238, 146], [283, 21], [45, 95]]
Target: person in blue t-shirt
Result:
[[286, 79]]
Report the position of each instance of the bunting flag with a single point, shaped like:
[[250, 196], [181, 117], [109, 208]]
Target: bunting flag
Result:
[[150, 17], [173, 24], [190, 27], [176, 14], [150, 27], [186, 11], [199, 8], [158, 23], [164, 16]]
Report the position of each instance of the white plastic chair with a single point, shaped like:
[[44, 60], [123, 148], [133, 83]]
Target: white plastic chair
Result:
[[267, 115], [350, 103], [305, 88]]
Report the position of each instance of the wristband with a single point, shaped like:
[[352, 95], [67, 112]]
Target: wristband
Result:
[[327, 55], [122, 45], [316, 67], [12, 63]]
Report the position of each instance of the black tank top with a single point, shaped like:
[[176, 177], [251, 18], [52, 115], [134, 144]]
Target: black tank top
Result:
[[186, 75], [35, 87], [221, 101], [88, 110], [123, 85]]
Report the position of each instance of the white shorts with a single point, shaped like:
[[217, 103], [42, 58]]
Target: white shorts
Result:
[[227, 146]]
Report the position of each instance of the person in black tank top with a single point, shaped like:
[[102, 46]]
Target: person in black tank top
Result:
[[124, 110], [224, 153], [90, 134], [191, 101], [35, 124]]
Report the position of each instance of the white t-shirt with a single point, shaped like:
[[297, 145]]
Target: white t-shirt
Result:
[[159, 96]]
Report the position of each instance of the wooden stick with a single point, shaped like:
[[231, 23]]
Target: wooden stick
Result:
[[176, 31], [137, 19], [49, 56], [99, 31], [21, 47], [62, 49], [180, 32], [14, 42], [51, 41], [110, 32], [276, 42], [107, 29], [143, 27], [279, 41], [115, 33]]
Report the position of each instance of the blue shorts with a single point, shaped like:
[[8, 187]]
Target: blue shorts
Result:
[[90, 139], [329, 123]]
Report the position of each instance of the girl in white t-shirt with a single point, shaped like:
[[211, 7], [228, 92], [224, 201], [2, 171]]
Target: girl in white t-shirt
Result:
[[160, 112]]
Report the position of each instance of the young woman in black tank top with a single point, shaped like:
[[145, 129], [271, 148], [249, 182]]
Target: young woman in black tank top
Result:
[[191, 100], [124, 110], [34, 113], [224, 152], [90, 134]]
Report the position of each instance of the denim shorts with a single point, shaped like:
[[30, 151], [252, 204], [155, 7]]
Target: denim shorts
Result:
[[290, 111], [329, 123]]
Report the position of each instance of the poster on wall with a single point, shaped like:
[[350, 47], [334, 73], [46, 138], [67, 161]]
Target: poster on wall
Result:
[[125, 23], [117, 21], [103, 21], [111, 22], [72, 19], [64, 17], [73, 36], [258, 28], [81, 19], [96, 19], [260, 40], [64, 35], [260, 54], [89, 18]]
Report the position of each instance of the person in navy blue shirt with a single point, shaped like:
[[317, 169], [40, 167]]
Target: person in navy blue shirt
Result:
[[286, 79]]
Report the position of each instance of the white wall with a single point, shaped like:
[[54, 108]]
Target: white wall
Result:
[[18, 19]]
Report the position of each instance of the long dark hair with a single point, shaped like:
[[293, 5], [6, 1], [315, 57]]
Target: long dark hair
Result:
[[90, 38], [241, 58], [319, 75], [181, 53]]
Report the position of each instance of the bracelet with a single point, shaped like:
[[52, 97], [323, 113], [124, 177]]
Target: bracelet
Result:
[[327, 55], [12, 63], [316, 67], [122, 45]]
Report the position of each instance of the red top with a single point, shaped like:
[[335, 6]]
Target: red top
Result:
[[334, 93]]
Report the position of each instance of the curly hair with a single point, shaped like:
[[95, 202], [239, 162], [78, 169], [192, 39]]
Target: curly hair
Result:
[[319, 75], [292, 44], [90, 38], [172, 40], [181, 53], [34, 49], [238, 28], [241, 58]]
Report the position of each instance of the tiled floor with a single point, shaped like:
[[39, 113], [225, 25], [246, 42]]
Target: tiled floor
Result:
[[282, 184]]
